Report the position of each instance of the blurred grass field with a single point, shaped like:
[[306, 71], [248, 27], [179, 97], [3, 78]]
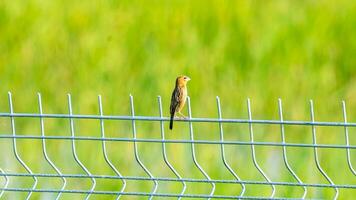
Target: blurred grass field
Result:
[[295, 50]]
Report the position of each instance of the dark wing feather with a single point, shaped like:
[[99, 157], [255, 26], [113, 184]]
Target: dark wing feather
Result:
[[175, 100]]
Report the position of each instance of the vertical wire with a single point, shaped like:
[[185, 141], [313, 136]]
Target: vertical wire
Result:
[[44, 150], [71, 121], [223, 148], [165, 158], [102, 130], [285, 158], [346, 130], [253, 149], [193, 150], [316, 158], [7, 180], [13, 129], [137, 157]]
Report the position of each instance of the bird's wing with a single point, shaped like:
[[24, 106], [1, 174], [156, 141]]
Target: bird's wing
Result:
[[175, 100]]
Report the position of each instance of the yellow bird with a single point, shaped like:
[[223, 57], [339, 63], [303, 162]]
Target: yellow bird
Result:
[[179, 96]]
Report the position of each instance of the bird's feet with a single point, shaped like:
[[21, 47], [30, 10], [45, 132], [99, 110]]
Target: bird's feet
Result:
[[182, 116]]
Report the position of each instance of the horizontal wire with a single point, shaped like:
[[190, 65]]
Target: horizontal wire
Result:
[[148, 118], [179, 141], [179, 180], [137, 194]]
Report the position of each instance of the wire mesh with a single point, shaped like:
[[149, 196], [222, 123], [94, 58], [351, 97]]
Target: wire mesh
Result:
[[156, 169]]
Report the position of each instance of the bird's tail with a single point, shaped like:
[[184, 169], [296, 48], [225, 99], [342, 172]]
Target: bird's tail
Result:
[[171, 122]]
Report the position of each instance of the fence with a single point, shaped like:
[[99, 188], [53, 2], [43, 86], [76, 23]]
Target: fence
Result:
[[262, 185]]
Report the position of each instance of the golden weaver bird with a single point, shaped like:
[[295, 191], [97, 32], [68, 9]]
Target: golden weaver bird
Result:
[[179, 97]]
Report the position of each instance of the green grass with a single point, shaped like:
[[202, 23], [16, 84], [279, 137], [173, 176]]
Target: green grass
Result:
[[233, 49]]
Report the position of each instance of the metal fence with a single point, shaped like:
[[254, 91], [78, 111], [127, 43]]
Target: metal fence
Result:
[[185, 185]]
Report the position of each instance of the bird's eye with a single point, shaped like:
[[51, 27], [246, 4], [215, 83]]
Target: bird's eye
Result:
[[185, 78]]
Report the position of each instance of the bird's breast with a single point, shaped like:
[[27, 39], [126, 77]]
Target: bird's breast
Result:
[[183, 98]]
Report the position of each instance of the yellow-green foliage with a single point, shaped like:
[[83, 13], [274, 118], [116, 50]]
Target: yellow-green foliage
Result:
[[296, 50]]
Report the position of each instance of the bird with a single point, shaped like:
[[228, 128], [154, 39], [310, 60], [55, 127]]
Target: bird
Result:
[[179, 96]]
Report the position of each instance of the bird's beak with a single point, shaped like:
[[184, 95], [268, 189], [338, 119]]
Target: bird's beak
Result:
[[188, 79]]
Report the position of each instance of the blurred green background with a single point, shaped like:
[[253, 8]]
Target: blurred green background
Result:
[[295, 50]]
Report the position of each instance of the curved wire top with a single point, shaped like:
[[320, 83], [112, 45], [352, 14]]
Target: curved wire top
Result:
[[183, 192]]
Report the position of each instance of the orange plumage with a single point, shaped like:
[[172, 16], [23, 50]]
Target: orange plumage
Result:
[[179, 97]]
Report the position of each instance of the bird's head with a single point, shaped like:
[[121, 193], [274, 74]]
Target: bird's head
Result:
[[182, 80]]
